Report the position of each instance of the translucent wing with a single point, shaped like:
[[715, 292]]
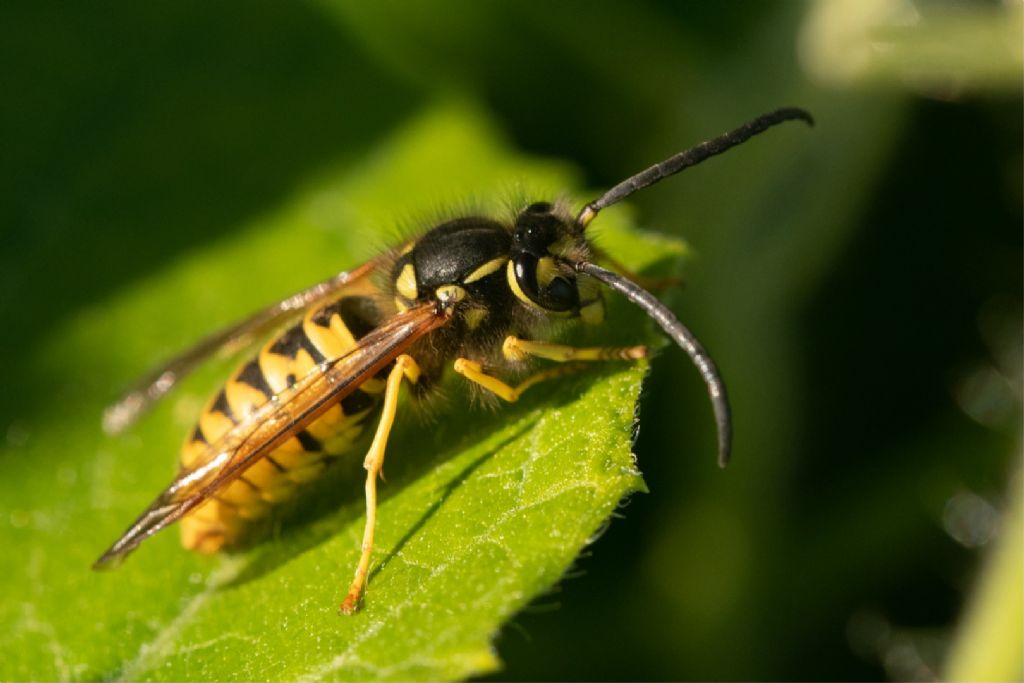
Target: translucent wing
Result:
[[152, 387], [275, 422]]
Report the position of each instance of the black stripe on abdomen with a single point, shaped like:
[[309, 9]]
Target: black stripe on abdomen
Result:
[[197, 435], [309, 443], [357, 402], [291, 342], [221, 405], [358, 313], [252, 374]]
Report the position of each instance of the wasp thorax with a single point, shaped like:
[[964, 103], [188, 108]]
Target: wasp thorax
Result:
[[457, 262]]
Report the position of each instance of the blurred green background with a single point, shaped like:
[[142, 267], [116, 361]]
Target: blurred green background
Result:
[[859, 284]]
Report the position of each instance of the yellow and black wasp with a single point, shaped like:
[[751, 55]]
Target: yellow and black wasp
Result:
[[473, 291]]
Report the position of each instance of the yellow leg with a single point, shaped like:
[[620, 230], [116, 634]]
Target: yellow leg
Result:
[[516, 349], [405, 367], [472, 371]]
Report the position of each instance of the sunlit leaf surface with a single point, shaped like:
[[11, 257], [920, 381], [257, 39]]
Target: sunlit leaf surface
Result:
[[482, 512]]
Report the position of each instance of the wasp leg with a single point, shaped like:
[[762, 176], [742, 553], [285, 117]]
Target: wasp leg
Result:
[[471, 370], [516, 349], [655, 284], [405, 367]]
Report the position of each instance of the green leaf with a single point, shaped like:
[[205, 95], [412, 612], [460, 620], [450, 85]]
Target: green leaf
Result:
[[483, 511]]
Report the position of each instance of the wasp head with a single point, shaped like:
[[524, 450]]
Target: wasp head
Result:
[[545, 245]]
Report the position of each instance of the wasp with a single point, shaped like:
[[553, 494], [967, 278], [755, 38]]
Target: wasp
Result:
[[474, 292]]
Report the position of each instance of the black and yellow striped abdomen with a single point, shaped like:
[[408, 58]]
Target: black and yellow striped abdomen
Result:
[[325, 332]]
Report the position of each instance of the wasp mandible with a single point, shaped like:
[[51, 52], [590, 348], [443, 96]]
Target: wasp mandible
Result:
[[475, 292]]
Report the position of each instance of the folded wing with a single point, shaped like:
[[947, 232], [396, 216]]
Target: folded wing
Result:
[[275, 422]]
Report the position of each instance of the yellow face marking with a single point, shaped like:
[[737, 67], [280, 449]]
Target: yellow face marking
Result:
[[400, 304], [450, 293], [546, 271], [513, 284], [486, 269], [406, 283], [474, 317]]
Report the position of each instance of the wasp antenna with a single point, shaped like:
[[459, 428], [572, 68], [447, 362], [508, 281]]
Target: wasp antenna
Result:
[[690, 157], [682, 336]]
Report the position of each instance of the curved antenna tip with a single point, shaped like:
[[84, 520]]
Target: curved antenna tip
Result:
[[690, 157], [796, 113], [685, 339]]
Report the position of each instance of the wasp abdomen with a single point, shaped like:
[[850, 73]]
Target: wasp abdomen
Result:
[[326, 332]]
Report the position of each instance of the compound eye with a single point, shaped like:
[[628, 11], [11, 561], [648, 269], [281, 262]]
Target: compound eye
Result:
[[560, 294]]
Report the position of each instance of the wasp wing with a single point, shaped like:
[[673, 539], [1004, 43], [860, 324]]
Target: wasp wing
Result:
[[273, 423], [153, 386]]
